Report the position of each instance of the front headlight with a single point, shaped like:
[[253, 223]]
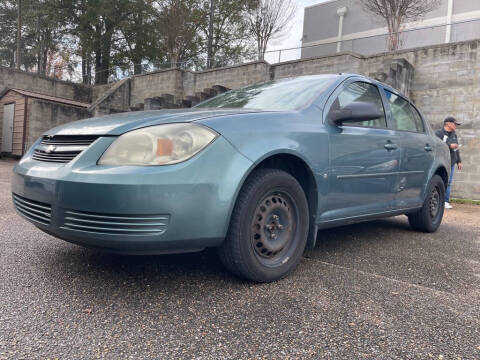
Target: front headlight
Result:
[[158, 145]]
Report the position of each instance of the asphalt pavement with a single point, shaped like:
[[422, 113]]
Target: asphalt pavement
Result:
[[374, 290]]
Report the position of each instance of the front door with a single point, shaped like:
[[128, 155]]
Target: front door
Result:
[[7, 129], [364, 159]]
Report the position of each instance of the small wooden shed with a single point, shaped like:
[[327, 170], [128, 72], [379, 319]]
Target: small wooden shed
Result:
[[14, 117]]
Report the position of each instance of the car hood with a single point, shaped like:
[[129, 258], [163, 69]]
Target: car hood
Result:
[[118, 124]]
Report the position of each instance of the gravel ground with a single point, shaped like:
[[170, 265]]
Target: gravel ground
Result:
[[374, 290]]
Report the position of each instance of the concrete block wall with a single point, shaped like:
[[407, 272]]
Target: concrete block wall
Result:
[[342, 63], [181, 83], [231, 77], [447, 82], [12, 78], [43, 115], [153, 84], [99, 90]]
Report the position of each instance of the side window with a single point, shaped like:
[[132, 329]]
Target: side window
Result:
[[360, 91], [403, 118], [418, 119]]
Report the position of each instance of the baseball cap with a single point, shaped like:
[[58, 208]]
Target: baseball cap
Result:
[[451, 119]]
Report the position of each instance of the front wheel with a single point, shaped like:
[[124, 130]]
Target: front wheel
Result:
[[269, 227], [429, 217]]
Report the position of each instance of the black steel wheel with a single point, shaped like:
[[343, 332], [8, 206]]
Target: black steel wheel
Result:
[[273, 228], [429, 217], [434, 202], [269, 227]]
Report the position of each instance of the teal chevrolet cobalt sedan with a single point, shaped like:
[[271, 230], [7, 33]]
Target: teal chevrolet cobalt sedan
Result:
[[255, 172]]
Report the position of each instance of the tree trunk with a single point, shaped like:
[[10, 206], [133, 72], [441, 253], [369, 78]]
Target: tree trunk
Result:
[[210, 37], [39, 62], [394, 24], [86, 68], [99, 71], [137, 66], [174, 60], [19, 33], [43, 62], [259, 48], [102, 56]]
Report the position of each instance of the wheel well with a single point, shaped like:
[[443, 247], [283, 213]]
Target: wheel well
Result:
[[442, 172], [304, 175]]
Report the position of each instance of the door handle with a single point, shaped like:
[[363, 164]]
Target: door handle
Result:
[[428, 148], [389, 146]]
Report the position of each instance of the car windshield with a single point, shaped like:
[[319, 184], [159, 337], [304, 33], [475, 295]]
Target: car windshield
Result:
[[287, 94]]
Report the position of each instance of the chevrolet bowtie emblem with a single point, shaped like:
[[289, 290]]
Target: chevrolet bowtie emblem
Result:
[[50, 149]]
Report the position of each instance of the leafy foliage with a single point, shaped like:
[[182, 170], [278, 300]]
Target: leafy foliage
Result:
[[111, 38]]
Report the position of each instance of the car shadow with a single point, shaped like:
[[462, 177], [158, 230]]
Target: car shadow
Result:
[[91, 266], [361, 234], [387, 247], [75, 262]]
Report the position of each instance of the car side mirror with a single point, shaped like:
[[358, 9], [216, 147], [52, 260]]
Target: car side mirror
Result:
[[354, 112]]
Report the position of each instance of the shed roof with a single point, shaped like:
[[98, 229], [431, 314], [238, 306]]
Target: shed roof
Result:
[[56, 99]]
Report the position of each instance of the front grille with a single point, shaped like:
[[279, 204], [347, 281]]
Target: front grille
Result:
[[69, 140], [63, 157], [116, 224], [33, 210], [61, 148]]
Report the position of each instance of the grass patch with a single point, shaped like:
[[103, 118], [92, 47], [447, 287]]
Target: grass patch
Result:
[[465, 201]]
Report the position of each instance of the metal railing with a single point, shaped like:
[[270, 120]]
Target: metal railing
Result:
[[368, 45]]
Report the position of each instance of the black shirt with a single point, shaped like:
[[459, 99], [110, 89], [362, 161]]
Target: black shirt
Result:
[[451, 139]]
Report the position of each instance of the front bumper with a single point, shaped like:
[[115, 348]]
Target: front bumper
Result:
[[132, 209]]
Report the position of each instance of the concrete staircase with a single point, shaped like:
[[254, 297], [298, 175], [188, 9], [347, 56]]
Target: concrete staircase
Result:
[[114, 100], [168, 101]]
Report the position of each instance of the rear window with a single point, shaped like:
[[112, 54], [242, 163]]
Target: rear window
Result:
[[418, 119], [403, 118]]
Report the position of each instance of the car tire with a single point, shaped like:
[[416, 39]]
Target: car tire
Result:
[[268, 229], [429, 217]]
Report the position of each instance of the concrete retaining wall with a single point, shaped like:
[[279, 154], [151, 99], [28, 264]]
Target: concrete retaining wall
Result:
[[155, 84], [12, 78]]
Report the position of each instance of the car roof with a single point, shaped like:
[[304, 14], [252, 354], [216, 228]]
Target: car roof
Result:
[[343, 76]]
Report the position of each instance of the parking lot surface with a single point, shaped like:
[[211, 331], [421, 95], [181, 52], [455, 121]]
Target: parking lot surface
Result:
[[374, 290]]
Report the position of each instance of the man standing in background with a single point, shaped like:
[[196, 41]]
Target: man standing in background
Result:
[[448, 136]]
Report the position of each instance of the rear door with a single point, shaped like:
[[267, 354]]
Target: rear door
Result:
[[416, 150], [364, 158], [7, 129]]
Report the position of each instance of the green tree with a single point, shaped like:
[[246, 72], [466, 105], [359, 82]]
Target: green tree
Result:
[[137, 28], [112, 35], [45, 22], [43, 27], [177, 24], [227, 28], [95, 24], [8, 29]]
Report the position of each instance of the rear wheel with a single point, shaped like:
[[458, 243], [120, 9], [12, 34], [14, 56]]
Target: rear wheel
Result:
[[429, 217], [269, 227]]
